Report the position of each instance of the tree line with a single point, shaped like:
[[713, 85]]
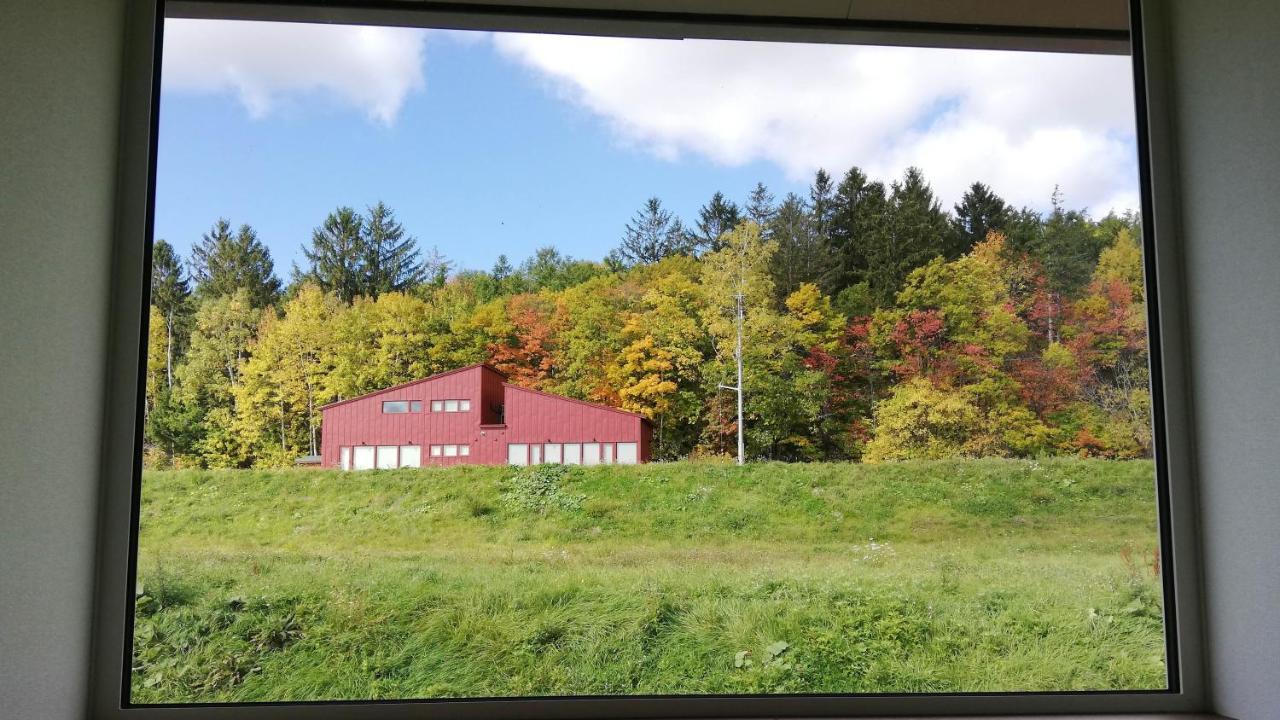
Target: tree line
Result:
[[879, 326]]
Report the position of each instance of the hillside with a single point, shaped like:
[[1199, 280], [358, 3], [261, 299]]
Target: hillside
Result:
[[667, 578]]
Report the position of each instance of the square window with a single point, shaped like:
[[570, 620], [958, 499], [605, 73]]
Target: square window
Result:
[[451, 451], [435, 451], [464, 450], [437, 406], [464, 406], [451, 406]]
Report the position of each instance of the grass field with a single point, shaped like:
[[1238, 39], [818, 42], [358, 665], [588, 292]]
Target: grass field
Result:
[[985, 575]]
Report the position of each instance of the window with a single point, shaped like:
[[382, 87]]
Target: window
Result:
[[410, 456], [363, 458], [627, 454], [940, 424]]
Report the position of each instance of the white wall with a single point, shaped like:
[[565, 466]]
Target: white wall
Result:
[[58, 106], [1226, 83]]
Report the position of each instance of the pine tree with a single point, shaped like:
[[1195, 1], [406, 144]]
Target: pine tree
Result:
[[338, 254], [716, 218], [391, 259], [822, 204], [760, 208], [1065, 245], [171, 296], [857, 238], [979, 212], [223, 263], [919, 230], [653, 234], [800, 254]]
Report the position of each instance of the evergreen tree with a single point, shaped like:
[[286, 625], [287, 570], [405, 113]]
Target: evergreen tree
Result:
[[338, 254], [857, 230], [716, 218], [800, 254], [1066, 247], [760, 209], [391, 259], [171, 296], [652, 235], [919, 232], [223, 263], [822, 204], [979, 212]]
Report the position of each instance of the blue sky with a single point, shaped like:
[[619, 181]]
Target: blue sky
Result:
[[489, 144]]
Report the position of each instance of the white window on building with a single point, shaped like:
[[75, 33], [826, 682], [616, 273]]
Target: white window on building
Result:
[[388, 455], [553, 453], [410, 456], [591, 453], [415, 406], [464, 450], [627, 454], [608, 454], [535, 454], [517, 454], [572, 453], [436, 451], [395, 407], [344, 458], [464, 406], [362, 458], [451, 451], [451, 406], [437, 406]]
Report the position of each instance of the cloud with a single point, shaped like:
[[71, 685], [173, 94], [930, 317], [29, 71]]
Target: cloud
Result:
[[1021, 122], [372, 69]]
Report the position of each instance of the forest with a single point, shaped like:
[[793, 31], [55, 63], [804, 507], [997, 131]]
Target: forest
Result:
[[879, 326]]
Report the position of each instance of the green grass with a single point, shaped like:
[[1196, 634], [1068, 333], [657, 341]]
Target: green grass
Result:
[[985, 575]]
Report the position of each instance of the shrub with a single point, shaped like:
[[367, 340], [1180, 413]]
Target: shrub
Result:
[[540, 489]]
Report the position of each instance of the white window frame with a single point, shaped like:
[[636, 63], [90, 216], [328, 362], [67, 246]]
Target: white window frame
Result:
[[410, 456], [437, 406], [1166, 302]]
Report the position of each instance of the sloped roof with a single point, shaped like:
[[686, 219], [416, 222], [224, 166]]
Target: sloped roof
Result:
[[598, 406], [411, 383]]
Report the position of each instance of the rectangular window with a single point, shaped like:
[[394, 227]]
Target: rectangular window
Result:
[[410, 456], [363, 458], [627, 454], [388, 457], [572, 454], [947, 382]]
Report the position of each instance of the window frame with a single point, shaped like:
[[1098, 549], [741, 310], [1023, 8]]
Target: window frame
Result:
[[121, 464]]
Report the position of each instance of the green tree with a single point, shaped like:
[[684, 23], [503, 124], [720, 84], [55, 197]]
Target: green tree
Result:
[[978, 213], [858, 238], [391, 261], [717, 217], [223, 263], [801, 253], [653, 234], [760, 207], [338, 255], [171, 296]]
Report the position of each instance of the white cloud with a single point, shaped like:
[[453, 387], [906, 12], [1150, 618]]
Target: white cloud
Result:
[[372, 69], [1021, 122]]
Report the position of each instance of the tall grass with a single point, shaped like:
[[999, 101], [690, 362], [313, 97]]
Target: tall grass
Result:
[[982, 575]]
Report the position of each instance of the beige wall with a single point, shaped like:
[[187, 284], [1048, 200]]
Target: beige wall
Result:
[[59, 92]]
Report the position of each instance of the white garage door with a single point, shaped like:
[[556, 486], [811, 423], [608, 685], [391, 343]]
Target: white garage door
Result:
[[591, 453], [627, 453], [410, 456], [517, 454], [362, 458]]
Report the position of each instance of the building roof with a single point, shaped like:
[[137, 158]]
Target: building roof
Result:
[[402, 385], [599, 406]]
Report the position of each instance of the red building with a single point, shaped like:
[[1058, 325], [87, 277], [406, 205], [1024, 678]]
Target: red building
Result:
[[473, 416]]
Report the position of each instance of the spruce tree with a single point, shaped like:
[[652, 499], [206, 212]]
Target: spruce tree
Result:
[[979, 212], [171, 295], [822, 203], [800, 254], [716, 218], [222, 263], [653, 234], [391, 258], [760, 207], [338, 254], [857, 240], [919, 231]]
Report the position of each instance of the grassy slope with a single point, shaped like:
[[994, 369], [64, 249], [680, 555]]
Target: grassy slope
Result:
[[946, 576]]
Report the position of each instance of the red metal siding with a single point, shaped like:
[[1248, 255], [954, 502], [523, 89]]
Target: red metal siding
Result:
[[527, 417]]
